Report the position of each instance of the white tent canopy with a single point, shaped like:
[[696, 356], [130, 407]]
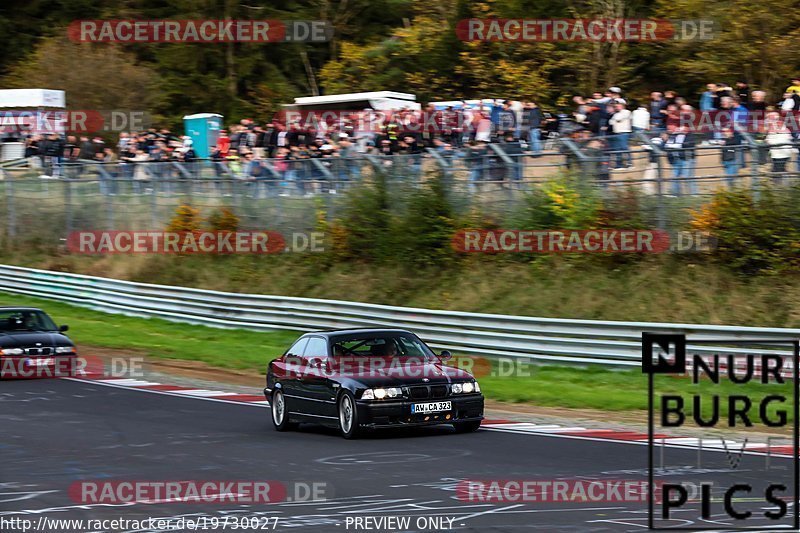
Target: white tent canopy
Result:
[[375, 100], [22, 98]]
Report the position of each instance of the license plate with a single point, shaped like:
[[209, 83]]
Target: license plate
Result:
[[42, 362], [430, 407]]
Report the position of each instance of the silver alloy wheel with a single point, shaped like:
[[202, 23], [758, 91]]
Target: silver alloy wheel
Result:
[[278, 408], [346, 414]]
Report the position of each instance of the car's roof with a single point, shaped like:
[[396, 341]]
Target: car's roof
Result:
[[18, 308], [355, 331]]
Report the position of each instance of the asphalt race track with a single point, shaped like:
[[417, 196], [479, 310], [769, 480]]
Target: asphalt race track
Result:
[[56, 432]]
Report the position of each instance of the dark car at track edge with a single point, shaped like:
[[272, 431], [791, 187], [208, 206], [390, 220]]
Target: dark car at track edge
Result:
[[31, 345], [362, 379]]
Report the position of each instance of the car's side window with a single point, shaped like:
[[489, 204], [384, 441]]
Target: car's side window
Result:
[[298, 347], [317, 347]]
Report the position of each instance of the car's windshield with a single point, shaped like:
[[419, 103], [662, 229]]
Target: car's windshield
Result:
[[381, 345], [25, 320]]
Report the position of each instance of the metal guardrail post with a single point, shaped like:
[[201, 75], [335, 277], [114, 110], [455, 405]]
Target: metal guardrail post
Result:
[[375, 162], [661, 216], [274, 175], [271, 169], [509, 163], [447, 171], [447, 168], [182, 170], [109, 204], [503, 155], [583, 161], [10, 207], [154, 206], [322, 168], [68, 222], [755, 162], [328, 176]]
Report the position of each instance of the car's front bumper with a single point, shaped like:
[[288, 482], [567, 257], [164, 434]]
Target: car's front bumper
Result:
[[23, 366], [397, 413]]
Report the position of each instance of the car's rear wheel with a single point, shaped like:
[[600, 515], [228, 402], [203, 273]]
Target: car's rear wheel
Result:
[[348, 415], [467, 427], [280, 414]]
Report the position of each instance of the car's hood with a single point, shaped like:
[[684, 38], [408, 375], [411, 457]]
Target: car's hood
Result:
[[398, 373], [24, 339]]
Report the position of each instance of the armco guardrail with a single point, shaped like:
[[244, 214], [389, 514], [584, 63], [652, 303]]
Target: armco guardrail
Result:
[[546, 339]]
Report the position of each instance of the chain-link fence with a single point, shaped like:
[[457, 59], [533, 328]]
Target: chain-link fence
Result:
[[52, 199]]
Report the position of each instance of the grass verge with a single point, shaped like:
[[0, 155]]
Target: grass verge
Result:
[[153, 337]]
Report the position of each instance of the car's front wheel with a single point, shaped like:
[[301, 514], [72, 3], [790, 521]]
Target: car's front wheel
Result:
[[348, 415], [467, 427], [280, 414]]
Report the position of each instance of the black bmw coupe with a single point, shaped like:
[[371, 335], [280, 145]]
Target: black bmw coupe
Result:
[[32, 345], [360, 379]]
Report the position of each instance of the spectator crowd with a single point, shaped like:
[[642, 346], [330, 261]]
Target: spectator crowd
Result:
[[306, 147]]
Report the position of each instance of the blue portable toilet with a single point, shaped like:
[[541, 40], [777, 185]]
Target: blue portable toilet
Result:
[[204, 129]]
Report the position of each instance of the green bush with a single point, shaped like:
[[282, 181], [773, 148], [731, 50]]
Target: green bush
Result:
[[223, 219], [560, 203], [424, 231], [754, 235], [364, 230]]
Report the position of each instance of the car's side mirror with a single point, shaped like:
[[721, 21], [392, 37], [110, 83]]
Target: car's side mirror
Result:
[[445, 355], [63, 328]]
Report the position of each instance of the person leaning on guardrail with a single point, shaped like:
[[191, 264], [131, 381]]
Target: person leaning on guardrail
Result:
[[729, 156], [781, 149], [679, 145]]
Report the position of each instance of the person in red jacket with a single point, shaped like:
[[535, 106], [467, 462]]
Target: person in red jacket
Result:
[[223, 143]]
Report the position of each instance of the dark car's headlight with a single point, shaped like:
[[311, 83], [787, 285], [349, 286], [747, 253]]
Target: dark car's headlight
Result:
[[466, 387], [66, 349], [11, 351], [381, 393]]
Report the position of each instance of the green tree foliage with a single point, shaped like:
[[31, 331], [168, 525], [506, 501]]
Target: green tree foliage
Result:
[[405, 45], [94, 76]]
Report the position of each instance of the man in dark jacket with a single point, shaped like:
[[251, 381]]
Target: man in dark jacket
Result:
[[657, 111], [86, 149], [743, 93], [54, 154], [680, 146], [506, 121], [535, 117]]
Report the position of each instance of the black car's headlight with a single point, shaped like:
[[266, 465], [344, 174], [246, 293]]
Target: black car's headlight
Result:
[[467, 387], [381, 393], [11, 351], [66, 349]]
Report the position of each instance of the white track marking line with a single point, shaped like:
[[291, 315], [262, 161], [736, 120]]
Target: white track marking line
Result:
[[124, 381], [204, 392], [636, 442], [166, 393]]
